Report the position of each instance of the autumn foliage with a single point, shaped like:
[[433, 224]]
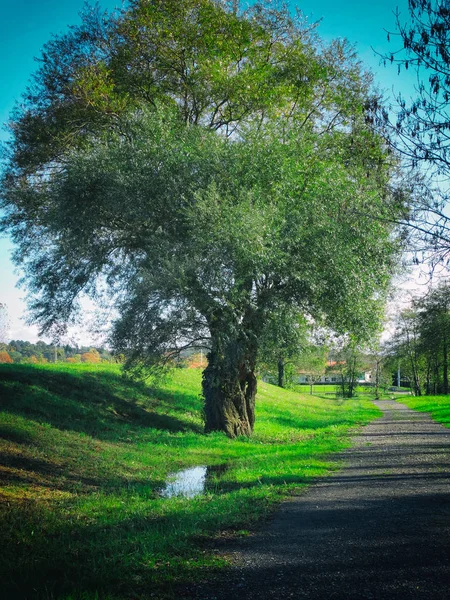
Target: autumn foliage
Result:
[[91, 357], [5, 357]]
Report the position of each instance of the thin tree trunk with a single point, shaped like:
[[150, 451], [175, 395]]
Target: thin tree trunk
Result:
[[343, 383], [351, 379], [413, 359], [417, 390], [436, 376], [377, 381], [428, 379], [281, 373], [445, 366]]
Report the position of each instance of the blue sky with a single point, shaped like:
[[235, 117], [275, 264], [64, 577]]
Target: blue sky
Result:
[[26, 25]]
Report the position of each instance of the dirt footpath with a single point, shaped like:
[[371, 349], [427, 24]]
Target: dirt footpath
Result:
[[379, 528]]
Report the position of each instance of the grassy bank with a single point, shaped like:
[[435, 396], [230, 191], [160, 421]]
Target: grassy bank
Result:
[[85, 455], [437, 406]]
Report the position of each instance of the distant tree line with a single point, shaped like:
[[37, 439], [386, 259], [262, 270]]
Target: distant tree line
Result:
[[24, 352], [421, 345]]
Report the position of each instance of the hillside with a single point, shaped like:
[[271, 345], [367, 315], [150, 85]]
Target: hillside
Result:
[[85, 457]]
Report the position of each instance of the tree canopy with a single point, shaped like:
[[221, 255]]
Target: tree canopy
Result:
[[204, 167]]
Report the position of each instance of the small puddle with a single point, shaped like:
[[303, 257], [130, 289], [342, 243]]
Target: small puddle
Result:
[[191, 482]]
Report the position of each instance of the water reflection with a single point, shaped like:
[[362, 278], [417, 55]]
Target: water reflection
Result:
[[193, 481]]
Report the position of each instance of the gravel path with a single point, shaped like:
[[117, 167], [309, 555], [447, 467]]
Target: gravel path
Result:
[[379, 528]]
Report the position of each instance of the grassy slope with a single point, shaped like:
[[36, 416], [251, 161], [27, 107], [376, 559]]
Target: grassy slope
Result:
[[84, 454], [437, 406]]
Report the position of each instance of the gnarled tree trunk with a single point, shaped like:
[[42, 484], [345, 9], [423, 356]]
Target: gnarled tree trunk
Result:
[[229, 381], [230, 395], [281, 373]]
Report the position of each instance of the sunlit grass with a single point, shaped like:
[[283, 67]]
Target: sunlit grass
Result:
[[437, 406], [85, 454]]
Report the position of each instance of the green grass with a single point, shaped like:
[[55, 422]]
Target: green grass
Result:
[[437, 406], [85, 454]]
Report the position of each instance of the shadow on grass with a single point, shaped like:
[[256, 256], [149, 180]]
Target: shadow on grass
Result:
[[28, 471], [102, 404], [125, 557], [131, 554]]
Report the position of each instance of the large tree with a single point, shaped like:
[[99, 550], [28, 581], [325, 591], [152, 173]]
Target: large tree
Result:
[[205, 167]]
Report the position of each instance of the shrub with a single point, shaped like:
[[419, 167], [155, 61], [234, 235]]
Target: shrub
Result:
[[5, 357], [91, 357]]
